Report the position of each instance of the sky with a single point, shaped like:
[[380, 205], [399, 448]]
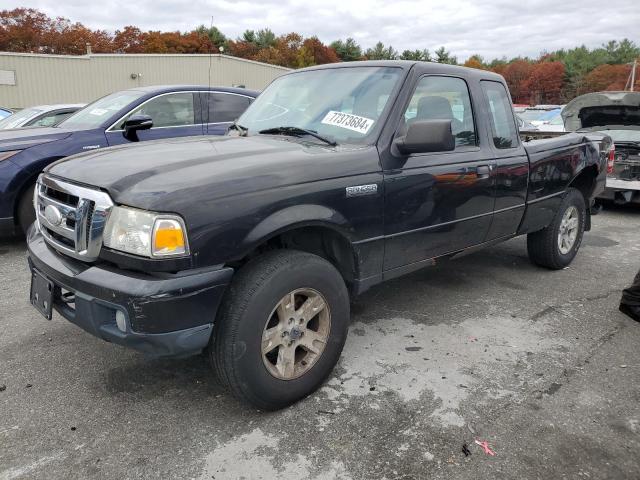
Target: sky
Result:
[[491, 28]]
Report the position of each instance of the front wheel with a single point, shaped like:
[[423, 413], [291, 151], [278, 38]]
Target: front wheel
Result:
[[556, 246], [26, 211], [281, 328]]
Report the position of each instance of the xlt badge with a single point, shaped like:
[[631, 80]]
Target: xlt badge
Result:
[[359, 190]]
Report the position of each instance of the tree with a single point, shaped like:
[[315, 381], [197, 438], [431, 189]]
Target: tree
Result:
[[380, 52], [444, 56], [216, 37], [475, 61], [545, 83], [314, 52], [23, 29], [265, 38], [608, 77], [516, 74], [418, 55], [128, 40], [348, 50]]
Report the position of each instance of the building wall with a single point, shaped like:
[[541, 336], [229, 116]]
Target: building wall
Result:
[[47, 79]]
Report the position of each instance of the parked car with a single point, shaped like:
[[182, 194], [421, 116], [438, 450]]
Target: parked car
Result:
[[5, 112], [523, 125], [145, 113], [618, 115], [552, 122], [534, 114], [520, 107], [40, 116], [337, 178]]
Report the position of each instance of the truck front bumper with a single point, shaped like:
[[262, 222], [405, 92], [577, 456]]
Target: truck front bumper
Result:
[[167, 315]]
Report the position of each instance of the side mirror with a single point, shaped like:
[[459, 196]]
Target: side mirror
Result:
[[135, 123], [426, 136]]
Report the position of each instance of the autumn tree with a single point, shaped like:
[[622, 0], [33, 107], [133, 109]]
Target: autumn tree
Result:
[[516, 75], [475, 61], [128, 40], [314, 52], [609, 77], [544, 84]]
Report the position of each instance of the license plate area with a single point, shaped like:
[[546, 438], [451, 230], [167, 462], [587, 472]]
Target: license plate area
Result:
[[42, 291]]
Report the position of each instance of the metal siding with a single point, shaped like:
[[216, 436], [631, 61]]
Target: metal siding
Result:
[[46, 79]]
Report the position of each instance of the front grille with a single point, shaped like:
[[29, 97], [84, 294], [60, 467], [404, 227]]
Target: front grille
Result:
[[70, 217]]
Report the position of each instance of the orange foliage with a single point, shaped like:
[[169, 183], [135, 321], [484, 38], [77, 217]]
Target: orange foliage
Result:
[[609, 77], [545, 83], [473, 63], [516, 74]]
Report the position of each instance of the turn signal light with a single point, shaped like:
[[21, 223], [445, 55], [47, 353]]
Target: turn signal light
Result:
[[168, 237]]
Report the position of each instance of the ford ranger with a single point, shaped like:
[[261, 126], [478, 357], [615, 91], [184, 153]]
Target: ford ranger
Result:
[[336, 178]]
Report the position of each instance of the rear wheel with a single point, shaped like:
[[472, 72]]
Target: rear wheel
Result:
[[26, 212], [556, 245], [281, 328]]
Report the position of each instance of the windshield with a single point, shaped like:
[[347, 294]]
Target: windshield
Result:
[[19, 118], [623, 135], [341, 104], [549, 115], [533, 115], [96, 113]]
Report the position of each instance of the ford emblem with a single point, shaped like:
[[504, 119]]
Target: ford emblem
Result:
[[53, 215]]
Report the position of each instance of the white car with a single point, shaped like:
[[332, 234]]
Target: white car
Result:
[[40, 116], [553, 124]]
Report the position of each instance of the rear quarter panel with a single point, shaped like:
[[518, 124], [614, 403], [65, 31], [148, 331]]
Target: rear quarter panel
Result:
[[554, 164]]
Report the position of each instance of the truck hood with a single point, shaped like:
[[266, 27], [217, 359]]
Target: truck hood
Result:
[[166, 175], [603, 109], [21, 138]]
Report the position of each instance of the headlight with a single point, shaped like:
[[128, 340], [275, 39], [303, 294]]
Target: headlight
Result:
[[145, 233], [5, 155]]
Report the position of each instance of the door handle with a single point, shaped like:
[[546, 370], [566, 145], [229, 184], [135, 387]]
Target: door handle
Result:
[[483, 171]]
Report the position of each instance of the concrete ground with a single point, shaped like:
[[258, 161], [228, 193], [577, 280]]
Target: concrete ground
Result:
[[539, 364]]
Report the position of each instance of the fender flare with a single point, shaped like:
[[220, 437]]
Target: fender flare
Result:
[[296, 216]]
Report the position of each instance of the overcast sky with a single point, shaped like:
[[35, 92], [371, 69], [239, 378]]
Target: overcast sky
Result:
[[493, 29]]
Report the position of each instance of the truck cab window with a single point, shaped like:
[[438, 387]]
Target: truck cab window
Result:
[[503, 127], [444, 98]]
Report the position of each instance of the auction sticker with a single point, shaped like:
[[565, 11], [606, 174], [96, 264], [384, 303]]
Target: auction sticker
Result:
[[349, 121]]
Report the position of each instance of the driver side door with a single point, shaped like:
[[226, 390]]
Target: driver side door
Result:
[[174, 114], [438, 202]]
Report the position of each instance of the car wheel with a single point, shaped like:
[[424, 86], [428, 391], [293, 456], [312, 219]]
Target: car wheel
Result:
[[26, 212], [556, 246], [281, 328]]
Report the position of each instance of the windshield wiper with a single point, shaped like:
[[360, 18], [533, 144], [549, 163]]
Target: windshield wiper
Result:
[[242, 130], [297, 131]]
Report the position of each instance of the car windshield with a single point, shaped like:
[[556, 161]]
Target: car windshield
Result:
[[96, 113], [623, 135], [549, 115], [19, 118], [341, 104], [532, 115]]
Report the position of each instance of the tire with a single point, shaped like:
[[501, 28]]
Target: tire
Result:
[[249, 311], [26, 212], [545, 248]]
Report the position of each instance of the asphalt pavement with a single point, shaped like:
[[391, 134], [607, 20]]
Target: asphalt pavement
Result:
[[538, 364]]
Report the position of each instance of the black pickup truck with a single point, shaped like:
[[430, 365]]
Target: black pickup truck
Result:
[[336, 178]]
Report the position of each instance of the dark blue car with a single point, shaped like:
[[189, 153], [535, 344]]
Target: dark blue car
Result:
[[145, 113]]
